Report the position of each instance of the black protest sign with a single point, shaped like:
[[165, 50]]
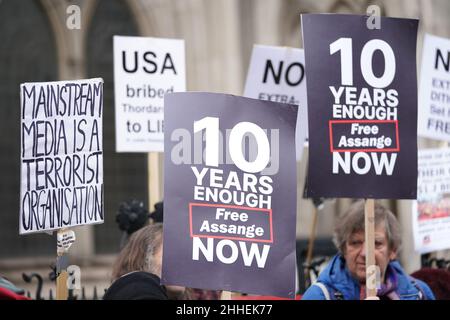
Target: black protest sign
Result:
[[362, 98], [61, 155], [230, 194]]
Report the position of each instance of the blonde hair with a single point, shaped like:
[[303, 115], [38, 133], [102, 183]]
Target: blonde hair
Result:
[[138, 253]]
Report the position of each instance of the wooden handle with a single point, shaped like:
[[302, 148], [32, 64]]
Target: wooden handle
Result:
[[154, 178], [226, 295], [62, 292], [61, 286], [369, 212], [312, 237]]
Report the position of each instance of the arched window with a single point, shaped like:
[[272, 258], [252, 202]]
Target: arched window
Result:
[[27, 54], [125, 174]]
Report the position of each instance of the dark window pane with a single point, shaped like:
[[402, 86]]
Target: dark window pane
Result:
[[125, 174], [27, 54]]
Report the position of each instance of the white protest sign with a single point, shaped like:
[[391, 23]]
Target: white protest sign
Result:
[[145, 69], [65, 239], [61, 155], [434, 92], [431, 211], [278, 74]]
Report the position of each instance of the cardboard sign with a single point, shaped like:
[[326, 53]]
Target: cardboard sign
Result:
[[278, 74], [145, 69], [434, 93], [61, 155], [362, 98], [431, 211], [230, 202]]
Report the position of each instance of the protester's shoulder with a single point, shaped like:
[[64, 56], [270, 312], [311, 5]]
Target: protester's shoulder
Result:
[[136, 286], [425, 289], [314, 292], [412, 281]]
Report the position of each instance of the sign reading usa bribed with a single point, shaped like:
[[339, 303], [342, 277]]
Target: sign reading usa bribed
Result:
[[230, 194], [145, 69], [362, 98]]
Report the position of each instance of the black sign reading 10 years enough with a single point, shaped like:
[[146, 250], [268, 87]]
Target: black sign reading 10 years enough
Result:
[[362, 100]]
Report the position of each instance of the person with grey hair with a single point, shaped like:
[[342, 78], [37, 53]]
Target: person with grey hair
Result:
[[344, 278], [137, 271]]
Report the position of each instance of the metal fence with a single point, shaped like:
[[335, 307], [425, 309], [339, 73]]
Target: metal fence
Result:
[[38, 294]]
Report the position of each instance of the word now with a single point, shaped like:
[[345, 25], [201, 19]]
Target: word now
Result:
[[361, 162], [248, 255]]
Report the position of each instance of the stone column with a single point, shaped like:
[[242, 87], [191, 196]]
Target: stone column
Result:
[[72, 65]]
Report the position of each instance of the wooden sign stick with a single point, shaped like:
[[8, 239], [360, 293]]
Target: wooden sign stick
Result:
[[371, 279], [62, 292], [312, 237], [154, 178], [226, 295], [61, 286]]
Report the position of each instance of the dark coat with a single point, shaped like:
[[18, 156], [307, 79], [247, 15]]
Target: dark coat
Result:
[[337, 279], [137, 285]]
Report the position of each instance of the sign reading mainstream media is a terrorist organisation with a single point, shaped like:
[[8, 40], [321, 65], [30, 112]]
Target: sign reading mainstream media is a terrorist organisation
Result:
[[61, 155]]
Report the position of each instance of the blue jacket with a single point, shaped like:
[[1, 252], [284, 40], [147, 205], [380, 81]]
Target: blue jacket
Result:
[[337, 279]]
